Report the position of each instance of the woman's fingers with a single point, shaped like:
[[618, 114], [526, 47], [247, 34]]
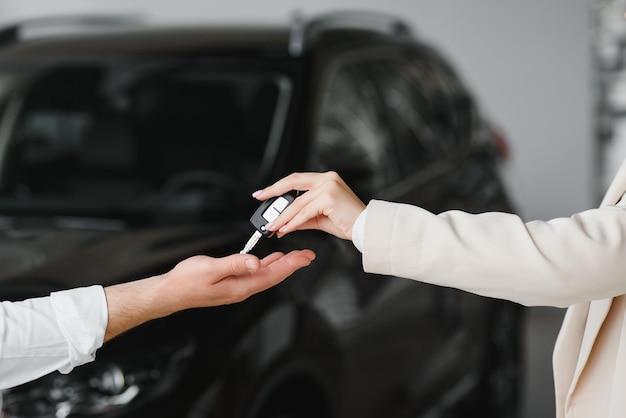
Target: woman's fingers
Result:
[[328, 204], [295, 181]]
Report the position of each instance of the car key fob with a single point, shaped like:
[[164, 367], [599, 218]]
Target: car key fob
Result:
[[269, 210], [266, 213]]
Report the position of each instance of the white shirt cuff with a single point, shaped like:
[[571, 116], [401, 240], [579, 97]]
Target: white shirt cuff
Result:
[[358, 230], [57, 332], [82, 316]]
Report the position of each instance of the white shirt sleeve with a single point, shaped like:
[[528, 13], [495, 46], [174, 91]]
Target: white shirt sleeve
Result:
[[358, 230], [58, 332]]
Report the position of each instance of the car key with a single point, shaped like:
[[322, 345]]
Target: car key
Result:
[[266, 213]]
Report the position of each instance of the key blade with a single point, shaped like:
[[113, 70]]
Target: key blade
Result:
[[251, 242]]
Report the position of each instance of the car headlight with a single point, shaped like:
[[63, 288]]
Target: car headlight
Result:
[[103, 387]]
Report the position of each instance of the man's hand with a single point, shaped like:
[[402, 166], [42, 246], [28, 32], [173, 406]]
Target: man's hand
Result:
[[198, 281], [328, 204]]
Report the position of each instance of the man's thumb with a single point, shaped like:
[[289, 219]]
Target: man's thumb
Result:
[[238, 264]]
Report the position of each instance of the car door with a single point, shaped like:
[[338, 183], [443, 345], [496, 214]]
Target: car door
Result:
[[400, 335], [444, 166]]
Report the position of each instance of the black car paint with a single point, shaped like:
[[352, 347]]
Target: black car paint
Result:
[[330, 341]]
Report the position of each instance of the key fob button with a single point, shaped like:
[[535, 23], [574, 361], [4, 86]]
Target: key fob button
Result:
[[269, 211]]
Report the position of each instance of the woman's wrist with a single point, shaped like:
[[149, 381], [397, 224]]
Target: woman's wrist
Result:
[[358, 230]]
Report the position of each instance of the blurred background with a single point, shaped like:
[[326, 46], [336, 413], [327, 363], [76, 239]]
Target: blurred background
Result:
[[548, 73]]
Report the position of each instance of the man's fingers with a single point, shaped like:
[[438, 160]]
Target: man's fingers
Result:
[[286, 265], [266, 261], [236, 264], [275, 272], [248, 264]]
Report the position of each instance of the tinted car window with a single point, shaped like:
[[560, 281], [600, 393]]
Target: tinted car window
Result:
[[429, 109], [352, 136], [163, 142]]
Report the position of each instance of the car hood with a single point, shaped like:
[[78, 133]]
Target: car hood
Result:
[[55, 258]]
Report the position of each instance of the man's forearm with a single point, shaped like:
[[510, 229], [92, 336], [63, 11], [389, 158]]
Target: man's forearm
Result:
[[133, 303]]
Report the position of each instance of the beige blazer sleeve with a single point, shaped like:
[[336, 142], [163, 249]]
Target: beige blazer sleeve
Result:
[[559, 262]]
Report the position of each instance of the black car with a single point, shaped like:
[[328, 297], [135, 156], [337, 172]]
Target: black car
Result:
[[126, 147]]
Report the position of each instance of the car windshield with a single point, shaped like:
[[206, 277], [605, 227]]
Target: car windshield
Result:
[[154, 141]]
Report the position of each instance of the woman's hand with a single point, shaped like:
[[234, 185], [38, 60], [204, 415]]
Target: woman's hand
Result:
[[328, 204]]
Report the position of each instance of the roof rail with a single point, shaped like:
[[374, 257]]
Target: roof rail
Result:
[[64, 25], [304, 31]]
